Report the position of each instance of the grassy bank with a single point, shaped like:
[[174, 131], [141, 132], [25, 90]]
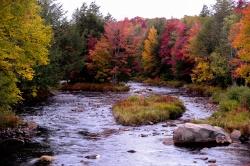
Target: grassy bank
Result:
[[140, 110], [96, 87], [160, 82], [194, 89], [202, 90], [234, 109]]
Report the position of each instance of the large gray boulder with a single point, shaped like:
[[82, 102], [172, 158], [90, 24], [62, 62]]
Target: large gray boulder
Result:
[[190, 134]]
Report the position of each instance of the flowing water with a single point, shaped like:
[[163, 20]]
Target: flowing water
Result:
[[78, 126]]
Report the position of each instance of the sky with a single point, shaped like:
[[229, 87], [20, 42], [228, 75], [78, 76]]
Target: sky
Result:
[[120, 9]]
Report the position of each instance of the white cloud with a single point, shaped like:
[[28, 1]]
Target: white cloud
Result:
[[144, 8]]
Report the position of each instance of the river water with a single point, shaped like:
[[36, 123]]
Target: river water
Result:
[[79, 125]]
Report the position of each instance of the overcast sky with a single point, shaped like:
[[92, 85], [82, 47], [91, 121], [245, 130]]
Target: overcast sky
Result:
[[120, 9]]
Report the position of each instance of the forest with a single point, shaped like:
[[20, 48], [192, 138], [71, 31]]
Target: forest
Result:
[[41, 51]]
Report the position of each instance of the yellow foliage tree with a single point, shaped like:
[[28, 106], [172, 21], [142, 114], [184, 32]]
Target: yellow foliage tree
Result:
[[149, 52], [202, 72], [240, 35], [24, 42]]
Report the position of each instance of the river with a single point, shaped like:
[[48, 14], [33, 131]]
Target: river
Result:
[[76, 126]]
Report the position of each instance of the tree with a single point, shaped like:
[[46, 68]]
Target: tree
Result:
[[241, 41], [202, 72], [99, 64], [45, 77], [149, 53], [124, 41], [24, 40], [205, 12]]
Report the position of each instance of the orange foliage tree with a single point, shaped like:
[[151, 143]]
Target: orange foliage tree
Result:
[[240, 35]]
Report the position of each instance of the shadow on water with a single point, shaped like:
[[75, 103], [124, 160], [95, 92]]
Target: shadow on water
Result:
[[78, 128]]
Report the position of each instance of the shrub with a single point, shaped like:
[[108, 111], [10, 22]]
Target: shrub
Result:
[[139, 110], [8, 119]]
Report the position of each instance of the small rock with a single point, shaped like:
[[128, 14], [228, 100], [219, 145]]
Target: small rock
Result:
[[244, 138], [95, 156], [150, 123], [212, 161], [164, 125], [203, 158], [155, 134], [131, 151], [194, 161], [235, 135], [46, 159], [144, 135]]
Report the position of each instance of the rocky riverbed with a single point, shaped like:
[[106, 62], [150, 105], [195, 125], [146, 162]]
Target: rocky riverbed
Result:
[[77, 128]]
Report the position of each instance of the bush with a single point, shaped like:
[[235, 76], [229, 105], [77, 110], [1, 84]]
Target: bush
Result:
[[8, 119], [139, 110]]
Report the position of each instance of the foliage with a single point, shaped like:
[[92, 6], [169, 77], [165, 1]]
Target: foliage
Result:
[[241, 41], [139, 110], [149, 53], [202, 72], [24, 40]]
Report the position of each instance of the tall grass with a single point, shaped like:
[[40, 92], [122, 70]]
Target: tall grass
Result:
[[234, 109], [139, 110]]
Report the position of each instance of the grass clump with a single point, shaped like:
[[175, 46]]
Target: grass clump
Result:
[[140, 110], [160, 82], [96, 87], [8, 119], [234, 110]]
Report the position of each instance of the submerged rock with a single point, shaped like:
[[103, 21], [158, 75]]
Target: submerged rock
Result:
[[94, 156], [131, 151], [190, 134]]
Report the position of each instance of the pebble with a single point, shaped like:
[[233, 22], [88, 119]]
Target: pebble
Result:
[[131, 151], [212, 161], [144, 135], [94, 156]]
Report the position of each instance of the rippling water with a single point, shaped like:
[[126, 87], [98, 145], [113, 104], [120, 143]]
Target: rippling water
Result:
[[81, 124]]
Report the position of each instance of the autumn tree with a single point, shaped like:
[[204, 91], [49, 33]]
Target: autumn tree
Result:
[[149, 54], [24, 40], [124, 41], [241, 41], [100, 57]]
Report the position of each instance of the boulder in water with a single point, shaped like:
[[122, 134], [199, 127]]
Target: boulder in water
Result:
[[190, 134]]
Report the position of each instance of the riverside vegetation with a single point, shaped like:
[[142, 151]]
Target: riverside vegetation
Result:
[[139, 110]]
